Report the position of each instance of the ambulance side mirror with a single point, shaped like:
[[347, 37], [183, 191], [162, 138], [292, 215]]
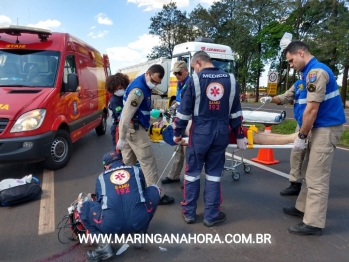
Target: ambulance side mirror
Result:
[[73, 83]]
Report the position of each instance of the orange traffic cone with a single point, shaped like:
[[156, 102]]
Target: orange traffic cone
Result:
[[266, 155]]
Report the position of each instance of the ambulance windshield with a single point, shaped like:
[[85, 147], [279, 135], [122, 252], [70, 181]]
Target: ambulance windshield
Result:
[[30, 68], [225, 65]]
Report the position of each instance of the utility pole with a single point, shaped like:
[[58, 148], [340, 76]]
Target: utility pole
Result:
[[287, 74]]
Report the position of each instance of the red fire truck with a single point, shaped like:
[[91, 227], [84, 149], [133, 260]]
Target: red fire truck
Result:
[[51, 94]]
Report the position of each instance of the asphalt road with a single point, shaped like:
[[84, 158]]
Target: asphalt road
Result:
[[253, 206]]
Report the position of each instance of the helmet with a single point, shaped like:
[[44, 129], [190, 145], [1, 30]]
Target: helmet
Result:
[[76, 226], [71, 226]]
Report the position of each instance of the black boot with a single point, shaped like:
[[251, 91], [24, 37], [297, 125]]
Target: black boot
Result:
[[102, 252], [292, 190], [305, 230]]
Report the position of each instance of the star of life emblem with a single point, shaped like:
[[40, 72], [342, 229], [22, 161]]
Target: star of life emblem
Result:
[[119, 177], [214, 91]]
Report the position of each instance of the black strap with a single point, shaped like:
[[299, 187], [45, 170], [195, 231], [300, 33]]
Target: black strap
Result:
[[162, 129]]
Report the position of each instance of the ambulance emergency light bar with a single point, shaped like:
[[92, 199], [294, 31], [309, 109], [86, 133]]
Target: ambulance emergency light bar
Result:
[[16, 30]]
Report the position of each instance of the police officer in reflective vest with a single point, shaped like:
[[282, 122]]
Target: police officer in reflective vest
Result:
[[123, 204], [321, 122], [134, 140], [211, 99]]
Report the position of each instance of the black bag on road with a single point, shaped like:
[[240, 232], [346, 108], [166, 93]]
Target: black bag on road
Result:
[[21, 193]]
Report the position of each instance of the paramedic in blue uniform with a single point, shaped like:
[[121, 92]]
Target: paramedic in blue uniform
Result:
[[181, 72], [134, 141], [321, 118], [211, 100], [123, 204], [116, 85]]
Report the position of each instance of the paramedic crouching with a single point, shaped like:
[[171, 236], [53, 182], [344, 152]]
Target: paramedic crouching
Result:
[[123, 204], [211, 99]]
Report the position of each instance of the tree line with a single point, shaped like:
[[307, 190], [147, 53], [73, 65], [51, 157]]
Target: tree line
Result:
[[253, 29]]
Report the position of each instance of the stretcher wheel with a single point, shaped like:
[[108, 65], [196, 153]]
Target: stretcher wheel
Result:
[[235, 175], [247, 168]]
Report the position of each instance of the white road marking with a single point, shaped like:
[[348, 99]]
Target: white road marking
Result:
[[47, 208], [343, 148], [279, 173]]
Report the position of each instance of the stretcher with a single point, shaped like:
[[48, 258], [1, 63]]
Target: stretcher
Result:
[[254, 117], [247, 168]]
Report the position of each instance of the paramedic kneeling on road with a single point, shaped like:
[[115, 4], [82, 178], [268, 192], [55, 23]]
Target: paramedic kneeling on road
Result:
[[134, 140], [123, 204], [321, 121], [212, 100]]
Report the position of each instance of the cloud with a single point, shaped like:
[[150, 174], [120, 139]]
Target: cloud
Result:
[[123, 54], [92, 27], [48, 24], [134, 53], [100, 34], [209, 2], [145, 43], [157, 4], [103, 19], [5, 20]]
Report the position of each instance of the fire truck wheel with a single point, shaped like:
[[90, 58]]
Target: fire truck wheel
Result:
[[102, 128], [60, 151]]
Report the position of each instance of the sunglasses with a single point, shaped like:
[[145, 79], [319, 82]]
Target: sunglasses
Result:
[[153, 81], [178, 73]]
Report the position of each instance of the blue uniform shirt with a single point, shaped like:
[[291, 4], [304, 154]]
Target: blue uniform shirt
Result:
[[115, 105], [216, 99], [180, 88], [120, 188], [143, 111], [299, 87], [331, 112]]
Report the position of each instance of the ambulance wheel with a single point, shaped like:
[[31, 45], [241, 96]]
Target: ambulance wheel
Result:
[[102, 128], [247, 168], [235, 175], [60, 151]]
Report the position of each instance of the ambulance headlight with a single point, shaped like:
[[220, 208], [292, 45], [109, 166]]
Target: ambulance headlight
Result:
[[29, 121]]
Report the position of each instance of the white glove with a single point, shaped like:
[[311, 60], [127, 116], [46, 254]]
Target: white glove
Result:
[[299, 144], [121, 144], [177, 139], [242, 143], [266, 99]]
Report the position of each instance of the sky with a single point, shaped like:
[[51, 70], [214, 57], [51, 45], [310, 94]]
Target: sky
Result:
[[119, 28]]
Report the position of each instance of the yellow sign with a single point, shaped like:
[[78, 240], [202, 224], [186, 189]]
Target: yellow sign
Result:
[[271, 89], [15, 46], [4, 106]]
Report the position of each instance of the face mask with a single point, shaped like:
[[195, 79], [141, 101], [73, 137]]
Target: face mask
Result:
[[119, 92], [150, 85]]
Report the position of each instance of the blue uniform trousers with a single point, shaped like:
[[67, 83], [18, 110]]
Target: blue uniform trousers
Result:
[[207, 144]]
